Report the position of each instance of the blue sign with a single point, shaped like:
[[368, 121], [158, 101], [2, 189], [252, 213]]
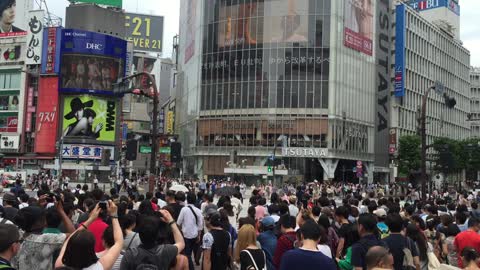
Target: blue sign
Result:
[[51, 50], [400, 51], [91, 62], [423, 5]]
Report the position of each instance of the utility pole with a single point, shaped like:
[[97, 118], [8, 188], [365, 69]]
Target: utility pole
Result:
[[123, 88], [450, 102]]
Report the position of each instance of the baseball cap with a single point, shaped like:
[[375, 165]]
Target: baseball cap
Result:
[[8, 235], [268, 221], [380, 212]]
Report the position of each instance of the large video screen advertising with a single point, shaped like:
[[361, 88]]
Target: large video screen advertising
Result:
[[93, 118], [90, 62], [358, 31], [262, 22]]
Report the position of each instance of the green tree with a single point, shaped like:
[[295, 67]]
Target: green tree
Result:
[[409, 154], [470, 157], [449, 157]]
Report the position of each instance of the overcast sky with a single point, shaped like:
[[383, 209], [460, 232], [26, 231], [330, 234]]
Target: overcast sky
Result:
[[470, 26]]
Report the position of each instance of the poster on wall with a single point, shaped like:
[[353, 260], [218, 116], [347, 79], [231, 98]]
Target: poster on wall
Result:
[[14, 17], [34, 37], [90, 117], [91, 62], [358, 31], [46, 115], [190, 32]]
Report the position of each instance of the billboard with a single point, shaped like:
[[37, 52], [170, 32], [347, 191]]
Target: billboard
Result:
[[399, 88], [423, 5], [91, 62], [82, 151], [8, 123], [145, 32], [47, 115], [35, 37], [358, 30], [190, 31], [8, 102], [51, 50], [12, 53], [14, 17], [113, 3], [93, 118]]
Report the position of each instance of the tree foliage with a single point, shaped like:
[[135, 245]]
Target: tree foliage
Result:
[[409, 154]]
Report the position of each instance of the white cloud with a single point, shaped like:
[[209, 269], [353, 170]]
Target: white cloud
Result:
[[170, 9]]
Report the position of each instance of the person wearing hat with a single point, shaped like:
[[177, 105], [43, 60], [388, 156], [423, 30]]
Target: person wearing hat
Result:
[[216, 243], [268, 239], [9, 206], [77, 111], [9, 245], [382, 227], [7, 11]]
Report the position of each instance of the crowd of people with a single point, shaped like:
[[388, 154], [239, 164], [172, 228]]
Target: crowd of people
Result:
[[309, 226]]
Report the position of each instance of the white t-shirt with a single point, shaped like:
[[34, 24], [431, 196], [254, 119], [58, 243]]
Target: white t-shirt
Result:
[[96, 266], [325, 249]]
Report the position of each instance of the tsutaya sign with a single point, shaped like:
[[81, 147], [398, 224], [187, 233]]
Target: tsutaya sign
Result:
[[305, 152]]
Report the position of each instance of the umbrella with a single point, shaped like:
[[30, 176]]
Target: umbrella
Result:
[[177, 188], [226, 191]]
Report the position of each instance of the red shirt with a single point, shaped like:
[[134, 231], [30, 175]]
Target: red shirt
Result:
[[97, 228], [284, 244], [465, 239]]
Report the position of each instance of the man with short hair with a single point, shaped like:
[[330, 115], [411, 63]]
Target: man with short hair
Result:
[[9, 209], [307, 257], [190, 221], [9, 245], [397, 243], [379, 258], [468, 238], [216, 244], [150, 254], [367, 225], [344, 241], [287, 239]]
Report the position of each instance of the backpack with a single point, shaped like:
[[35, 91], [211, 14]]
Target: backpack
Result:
[[255, 263], [407, 257], [219, 254], [145, 260]]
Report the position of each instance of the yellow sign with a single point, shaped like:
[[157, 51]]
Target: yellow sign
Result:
[[170, 120]]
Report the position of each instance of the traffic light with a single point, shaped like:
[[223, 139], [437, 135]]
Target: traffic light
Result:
[[269, 169], [449, 101], [131, 150]]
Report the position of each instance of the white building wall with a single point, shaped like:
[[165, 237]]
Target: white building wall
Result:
[[475, 101]]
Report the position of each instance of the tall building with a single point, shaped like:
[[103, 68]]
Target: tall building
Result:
[[443, 13], [426, 55], [275, 83], [475, 101]]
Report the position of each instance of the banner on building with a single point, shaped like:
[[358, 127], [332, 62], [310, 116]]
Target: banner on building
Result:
[[16, 14], [81, 151], [91, 62], [423, 5], [9, 142], [358, 30], [34, 37], [113, 3], [12, 53], [400, 33], [47, 115], [51, 50], [8, 123], [145, 32], [93, 118], [190, 31]]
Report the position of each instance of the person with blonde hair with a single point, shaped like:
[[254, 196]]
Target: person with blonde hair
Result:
[[247, 254]]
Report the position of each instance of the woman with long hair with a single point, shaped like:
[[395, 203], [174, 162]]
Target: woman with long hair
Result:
[[451, 232], [470, 258], [246, 253], [79, 250], [422, 244], [131, 238]]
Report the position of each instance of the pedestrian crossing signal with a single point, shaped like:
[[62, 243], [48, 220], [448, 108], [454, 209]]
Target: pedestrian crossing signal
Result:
[[269, 169]]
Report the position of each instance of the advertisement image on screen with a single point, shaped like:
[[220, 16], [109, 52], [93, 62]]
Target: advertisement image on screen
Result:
[[91, 62], [358, 32], [89, 117], [89, 72], [13, 17]]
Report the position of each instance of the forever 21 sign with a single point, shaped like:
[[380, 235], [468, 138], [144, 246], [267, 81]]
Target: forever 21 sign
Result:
[[145, 32]]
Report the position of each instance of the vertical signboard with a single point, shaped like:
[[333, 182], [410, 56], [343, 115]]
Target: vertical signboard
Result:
[[47, 115], [383, 83], [400, 51], [30, 110], [170, 122], [34, 37], [190, 31], [51, 50], [358, 31]]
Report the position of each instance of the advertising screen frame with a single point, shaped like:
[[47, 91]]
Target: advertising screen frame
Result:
[[90, 46]]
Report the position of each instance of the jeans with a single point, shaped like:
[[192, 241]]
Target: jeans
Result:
[[189, 245]]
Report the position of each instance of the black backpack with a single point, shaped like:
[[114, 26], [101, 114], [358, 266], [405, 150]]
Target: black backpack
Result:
[[219, 254]]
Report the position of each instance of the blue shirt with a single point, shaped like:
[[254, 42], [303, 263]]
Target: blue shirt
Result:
[[306, 259], [268, 241]]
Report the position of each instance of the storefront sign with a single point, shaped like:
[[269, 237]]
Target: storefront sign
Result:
[[9, 142], [73, 151], [51, 50], [47, 115], [34, 37], [305, 152]]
